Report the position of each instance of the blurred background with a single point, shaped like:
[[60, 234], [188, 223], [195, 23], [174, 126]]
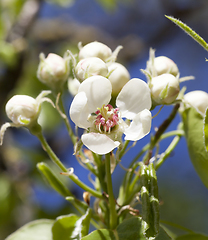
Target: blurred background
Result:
[[28, 27]]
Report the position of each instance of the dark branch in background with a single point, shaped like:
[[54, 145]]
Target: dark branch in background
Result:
[[19, 31]]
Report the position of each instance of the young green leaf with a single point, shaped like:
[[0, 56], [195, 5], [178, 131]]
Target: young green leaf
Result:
[[189, 31], [35, 230], [193, 128], [71, 226], [52, 180], [102, 234]]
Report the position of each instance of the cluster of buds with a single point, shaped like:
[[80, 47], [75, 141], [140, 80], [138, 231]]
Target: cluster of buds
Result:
[[163, 79], [96, 59]]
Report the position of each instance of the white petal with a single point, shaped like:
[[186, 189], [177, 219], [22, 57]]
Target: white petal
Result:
[[79, 111], [99, 143], [133, 98], [139, 127], [98, 91]]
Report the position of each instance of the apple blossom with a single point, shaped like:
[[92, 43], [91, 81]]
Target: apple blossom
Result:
[[99, 50], [95, 49], [119, 76], [73, 85], [53, 71], [23, 110], [164, 64], [159, 65], [197, 99], [90, 109], [164, 88], [91, 66]]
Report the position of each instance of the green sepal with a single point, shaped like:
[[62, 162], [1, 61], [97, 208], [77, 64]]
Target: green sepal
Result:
[[164, 92], [52, 180], [35, 230], [71, 226], [193, 128]]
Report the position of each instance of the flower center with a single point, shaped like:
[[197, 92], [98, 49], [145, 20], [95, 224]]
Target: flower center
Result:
[[106, 118]]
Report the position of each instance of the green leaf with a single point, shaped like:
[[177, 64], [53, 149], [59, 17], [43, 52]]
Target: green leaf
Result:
[[192, 236], [189, 31], [71, 226], [64, 226], [36, 230], [102, 234], [52, 180], [130, 229], [193, 127]]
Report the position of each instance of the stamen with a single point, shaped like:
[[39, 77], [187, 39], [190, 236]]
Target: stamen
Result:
[[107, 118]]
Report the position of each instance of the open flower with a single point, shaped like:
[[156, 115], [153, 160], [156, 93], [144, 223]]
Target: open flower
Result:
[[90, 109]]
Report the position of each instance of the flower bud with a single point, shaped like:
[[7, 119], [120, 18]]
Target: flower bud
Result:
[[95, 49], [197, 99], [163, 65], [164, 88], [73, 86], [53, 70], [119, 76], [22, 109], [91, 66]]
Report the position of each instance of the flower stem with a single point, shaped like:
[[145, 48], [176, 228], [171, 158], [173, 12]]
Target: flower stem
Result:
[[168, 151], [64, 116], [160, 131], [57, 161], [112, 205], [123, 149]]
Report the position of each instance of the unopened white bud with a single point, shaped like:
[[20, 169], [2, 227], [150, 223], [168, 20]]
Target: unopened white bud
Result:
[[53, 70], [197, 99], [163, 65], [73, 86], [95, 49], [22, 109], [119, 76], [164, 88], [91, 66]]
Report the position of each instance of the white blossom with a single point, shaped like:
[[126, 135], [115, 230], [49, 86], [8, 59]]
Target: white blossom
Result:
[[164, 88], [23, 111], [197, 99], [53, 71], [163, 64], [95, 49], [91, 66], [90, 109], [119, 76]]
